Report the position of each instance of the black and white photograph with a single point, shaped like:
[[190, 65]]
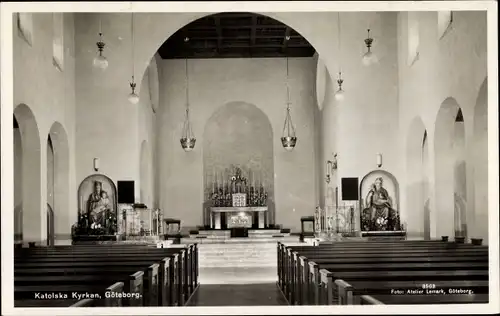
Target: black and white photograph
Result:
[[262, 157]]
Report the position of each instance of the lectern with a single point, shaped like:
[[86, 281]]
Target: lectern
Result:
[[307, 226]]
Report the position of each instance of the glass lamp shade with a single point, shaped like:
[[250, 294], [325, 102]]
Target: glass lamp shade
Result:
[[289, 142], [133, 98], [339, 95], [369, 58], [188, 143], [100, 62]]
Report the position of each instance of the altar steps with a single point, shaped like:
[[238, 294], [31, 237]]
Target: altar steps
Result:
[[240, 252]]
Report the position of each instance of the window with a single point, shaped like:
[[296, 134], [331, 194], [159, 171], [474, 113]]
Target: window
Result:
[[445, 18], [413, 37], [57, 40], [25, 26]]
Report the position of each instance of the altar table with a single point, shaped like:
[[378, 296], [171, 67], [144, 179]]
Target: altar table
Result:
[[238, 216]]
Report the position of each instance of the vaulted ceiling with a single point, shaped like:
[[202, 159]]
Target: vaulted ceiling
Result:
[[235, 35]]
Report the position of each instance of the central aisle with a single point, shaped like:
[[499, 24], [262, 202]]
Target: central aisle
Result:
[[237, 295], [238, 271]]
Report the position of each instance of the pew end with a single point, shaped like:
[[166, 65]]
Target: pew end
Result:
[[304, 281], [137, 286], [369, 300], [164, 288], [314, 282], [326, 287], [115, 291], [151, 295], [345, 292]]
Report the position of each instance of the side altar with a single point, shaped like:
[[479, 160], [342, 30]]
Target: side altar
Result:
[[236, 204]]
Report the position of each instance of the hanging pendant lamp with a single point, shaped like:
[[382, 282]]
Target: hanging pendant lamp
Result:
[[288, 139], [100, 62], [133, 97], [339, 95], [369, 58], [188, 140]]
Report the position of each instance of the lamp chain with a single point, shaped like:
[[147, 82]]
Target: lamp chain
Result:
[[340, 44], [133, 48]]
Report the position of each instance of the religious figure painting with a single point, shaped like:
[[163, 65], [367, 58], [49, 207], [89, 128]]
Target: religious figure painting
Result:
[[380, 208], [97, 204]]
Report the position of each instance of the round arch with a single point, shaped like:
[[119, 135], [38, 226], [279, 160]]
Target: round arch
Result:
[[450, 170], [480, 163], [33, 214], [416, 192], [175, 23], [239, 134], [61, 176], [154, 83], [50, 226]]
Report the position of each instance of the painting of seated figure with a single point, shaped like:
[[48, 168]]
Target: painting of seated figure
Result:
[[379, 201], [97, 205]]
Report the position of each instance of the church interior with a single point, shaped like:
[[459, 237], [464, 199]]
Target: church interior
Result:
[[266, 157]]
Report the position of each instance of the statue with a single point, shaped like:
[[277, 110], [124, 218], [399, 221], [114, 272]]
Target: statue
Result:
[[98, 206], [379, 211]]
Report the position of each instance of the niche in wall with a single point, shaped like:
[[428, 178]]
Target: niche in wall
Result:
[[97, 205], [379, 201]]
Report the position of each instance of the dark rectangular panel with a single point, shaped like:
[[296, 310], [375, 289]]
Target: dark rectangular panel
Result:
[[126, 192], [350, 189]]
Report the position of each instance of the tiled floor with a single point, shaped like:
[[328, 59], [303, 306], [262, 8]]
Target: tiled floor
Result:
[[237, 295]]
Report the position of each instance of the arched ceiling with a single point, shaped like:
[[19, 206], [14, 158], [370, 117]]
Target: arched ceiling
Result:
[[235, 35]]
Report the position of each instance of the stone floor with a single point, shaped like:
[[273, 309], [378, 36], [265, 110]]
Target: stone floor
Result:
[[238, 275], [265, 294]]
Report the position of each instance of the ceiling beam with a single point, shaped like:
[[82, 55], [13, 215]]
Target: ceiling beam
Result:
[[254, 30], [219, 32]]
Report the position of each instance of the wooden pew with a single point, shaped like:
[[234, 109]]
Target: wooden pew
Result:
[[288, 261], [189, 260], [79, 253], [189, 277], [158, 273], [296, 278], [285, 252], [191, 257], [151, 279], [133, 284], [351, 293]]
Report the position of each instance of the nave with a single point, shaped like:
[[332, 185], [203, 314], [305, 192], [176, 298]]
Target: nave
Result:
[[319, 174]]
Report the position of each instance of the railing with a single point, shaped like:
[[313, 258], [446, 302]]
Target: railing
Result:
[[335, 220]]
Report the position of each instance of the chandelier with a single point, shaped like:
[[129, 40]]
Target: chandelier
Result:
[[369, 58], [288, 139], [100, 61], [188, 140], [133, 97]]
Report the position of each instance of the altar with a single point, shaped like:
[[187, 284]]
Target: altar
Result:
[[238, 217], [237, 203]]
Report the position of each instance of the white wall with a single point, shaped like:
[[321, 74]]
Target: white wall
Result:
[[50, 96], [451, 67], [381, 102], [214, 83]]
